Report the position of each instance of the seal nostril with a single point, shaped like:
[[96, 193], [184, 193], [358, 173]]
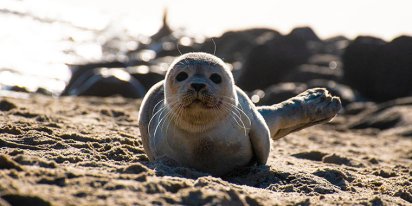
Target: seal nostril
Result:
[[198, 86]]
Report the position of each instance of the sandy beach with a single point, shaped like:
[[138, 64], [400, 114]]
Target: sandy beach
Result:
[[87, 151]]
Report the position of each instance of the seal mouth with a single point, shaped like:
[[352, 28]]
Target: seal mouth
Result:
[[197, 102]]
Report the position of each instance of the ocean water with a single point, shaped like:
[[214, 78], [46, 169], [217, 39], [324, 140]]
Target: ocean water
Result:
[[38, 38]]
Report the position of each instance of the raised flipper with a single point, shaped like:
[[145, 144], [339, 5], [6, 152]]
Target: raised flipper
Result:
[[311, 107]]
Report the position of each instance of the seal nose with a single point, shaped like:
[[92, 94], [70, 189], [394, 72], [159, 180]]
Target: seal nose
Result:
[[198, 86]]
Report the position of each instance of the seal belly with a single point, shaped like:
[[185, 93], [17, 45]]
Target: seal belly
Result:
[[218, 156]]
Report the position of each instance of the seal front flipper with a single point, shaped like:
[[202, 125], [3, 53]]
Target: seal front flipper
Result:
[[314, 106], [260, 139]]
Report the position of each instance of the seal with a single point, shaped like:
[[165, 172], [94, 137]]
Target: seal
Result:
[[196, 117]]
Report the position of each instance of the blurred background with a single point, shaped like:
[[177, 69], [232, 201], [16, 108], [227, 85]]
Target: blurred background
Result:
[[360, 50]]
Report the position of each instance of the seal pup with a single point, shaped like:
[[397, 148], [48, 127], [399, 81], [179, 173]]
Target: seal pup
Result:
[[197, 117]]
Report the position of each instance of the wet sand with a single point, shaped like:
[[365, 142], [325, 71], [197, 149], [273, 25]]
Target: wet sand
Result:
[[87, 151]]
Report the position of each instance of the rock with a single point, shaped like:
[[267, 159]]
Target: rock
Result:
[[335, 45], [280, 92], [105, 82], [268, 63], [358, 107], [326, 60], [147, 78], [305, 33], [387, 115], [384, 120], [82, 72], [360, 64], [165, 30], [235, 45], [17, 88], [379, 70], [307, 72], [44, 91], [172, 47]]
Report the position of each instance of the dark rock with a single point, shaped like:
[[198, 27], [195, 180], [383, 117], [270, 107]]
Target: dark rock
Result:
[[385, 120], [313, 43], [174, 48], [235, 45], [16, 88], [44, 91], [326, 60], [147, 79], [165, 30], [379, 70], [268, 63], [307, 72], [305, 33], [335, 45], [358, 107], [105, 82], [281, 92], [360, 62], [80, 73], [383, 116]]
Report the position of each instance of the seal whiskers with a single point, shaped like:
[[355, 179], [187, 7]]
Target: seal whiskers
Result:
[[237, 115]]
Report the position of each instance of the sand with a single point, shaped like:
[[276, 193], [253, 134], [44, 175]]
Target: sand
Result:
[[87, 151]]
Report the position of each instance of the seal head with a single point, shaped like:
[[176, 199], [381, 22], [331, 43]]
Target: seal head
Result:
[[198, 91]]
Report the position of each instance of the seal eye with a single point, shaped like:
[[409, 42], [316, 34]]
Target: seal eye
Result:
[[215, 78], [181, 76]]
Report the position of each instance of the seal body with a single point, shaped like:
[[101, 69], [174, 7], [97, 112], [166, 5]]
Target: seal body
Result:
[[198, 118]]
